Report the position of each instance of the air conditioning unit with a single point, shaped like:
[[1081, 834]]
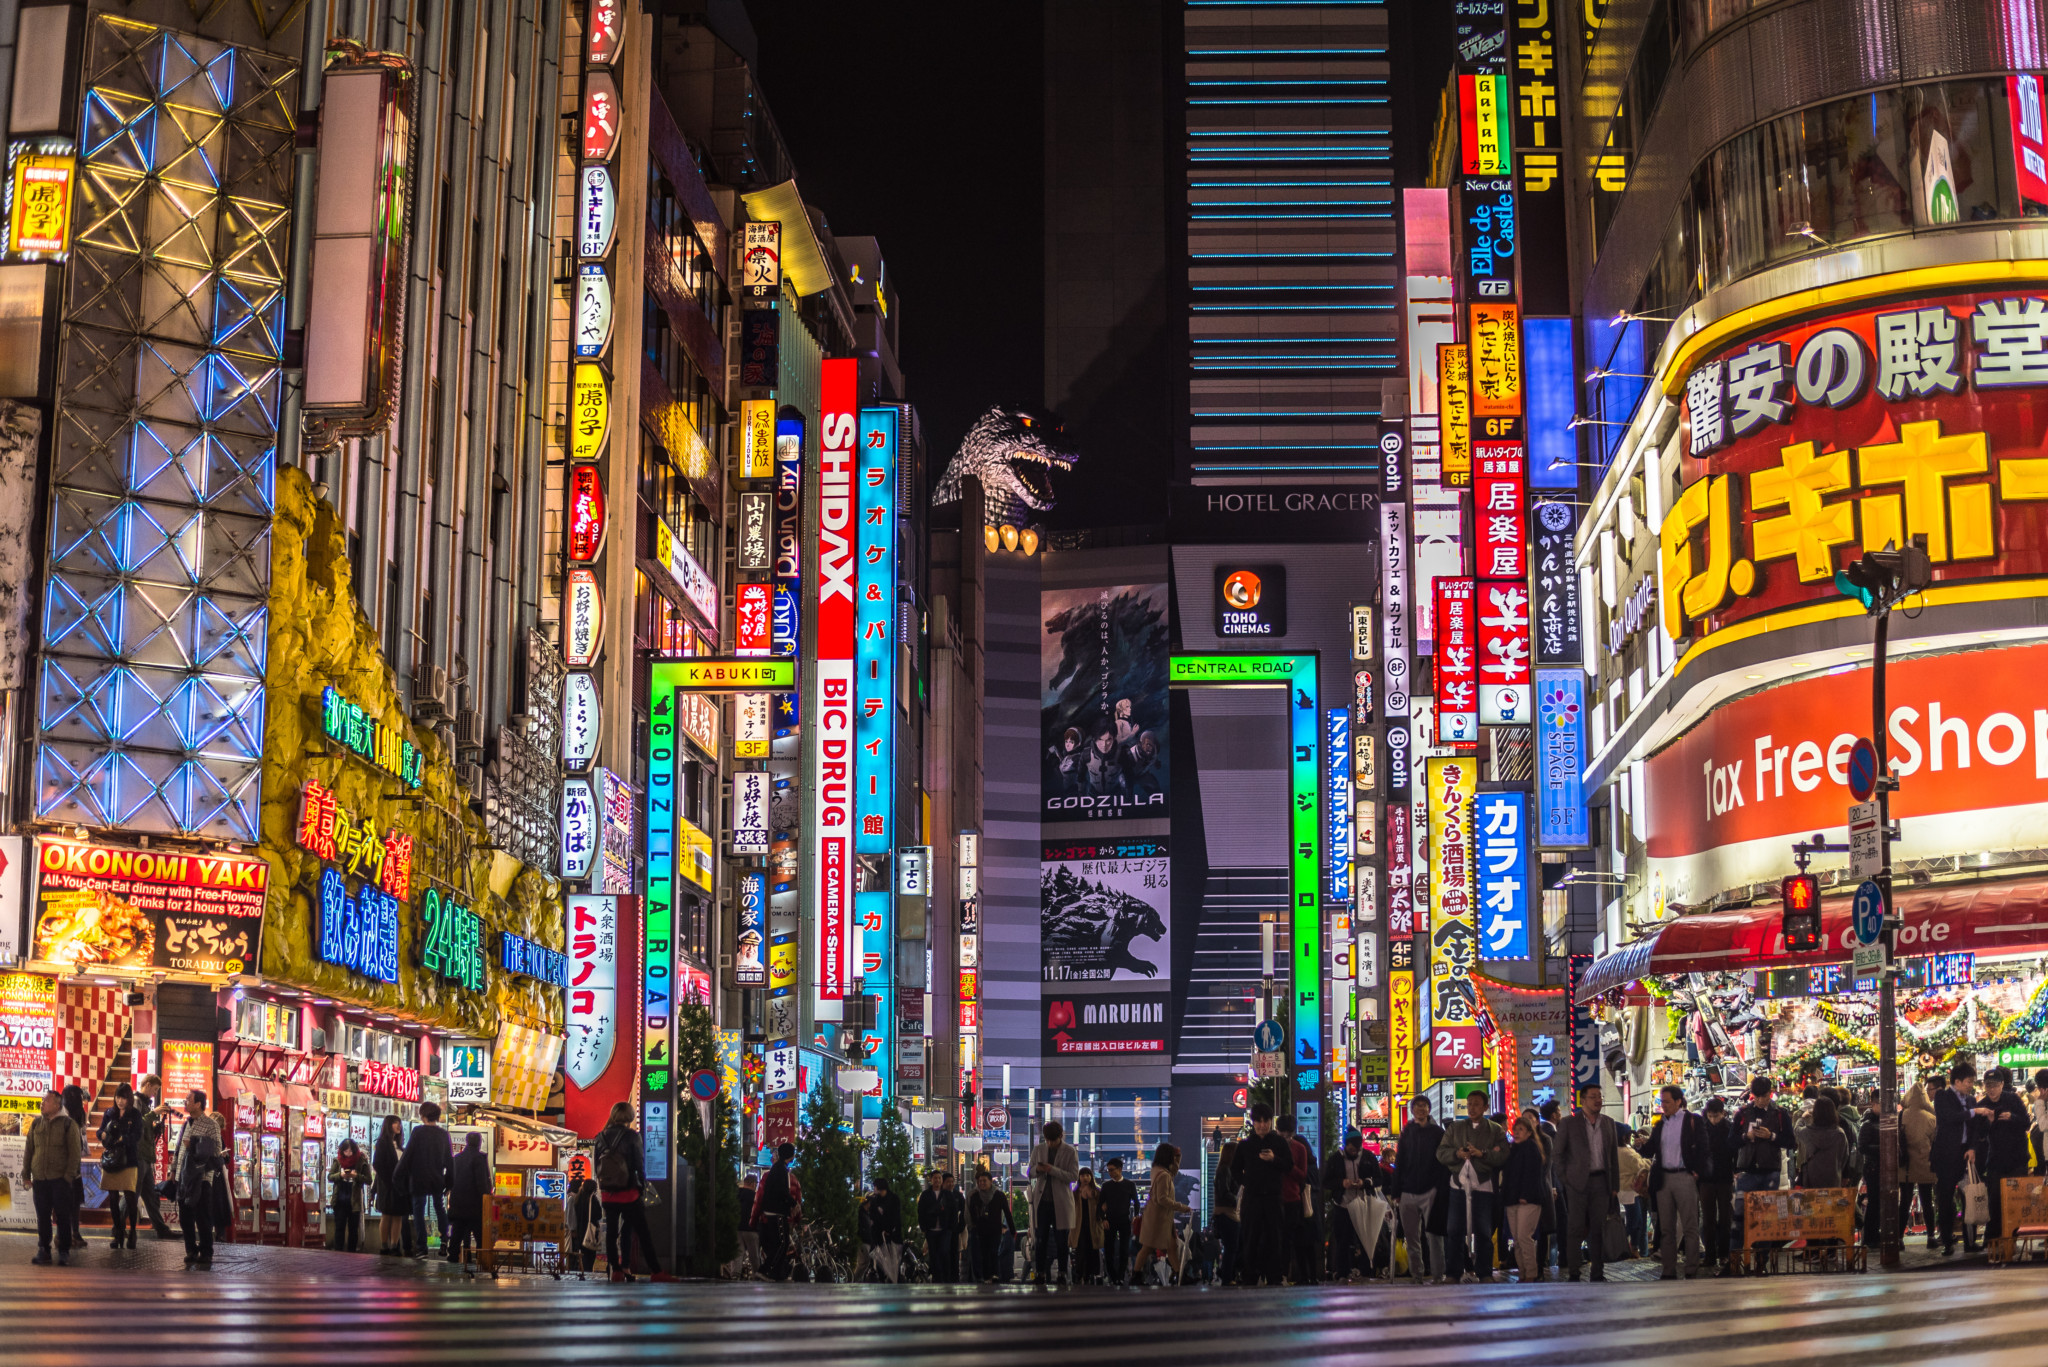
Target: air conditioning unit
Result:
[[430, 692], [319, 1041], [471, 777], [469, 729]]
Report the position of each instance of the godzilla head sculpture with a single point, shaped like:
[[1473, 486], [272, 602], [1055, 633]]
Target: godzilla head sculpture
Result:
[[1013, 453]]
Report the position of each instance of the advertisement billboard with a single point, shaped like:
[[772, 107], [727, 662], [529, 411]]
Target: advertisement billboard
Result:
[[1103, 657], [832, 738], [101, 905], [600, 1061]]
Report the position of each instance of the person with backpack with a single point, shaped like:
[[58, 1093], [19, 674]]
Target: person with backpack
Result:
[[778, 1203], [621, 1188], [469, 1188]]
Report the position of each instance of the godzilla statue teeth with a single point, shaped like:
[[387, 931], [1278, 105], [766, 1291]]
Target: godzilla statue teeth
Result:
[[1001, 449]]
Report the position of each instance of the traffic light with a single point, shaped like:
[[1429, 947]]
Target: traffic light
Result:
[[1801, 923], [1881, 578]]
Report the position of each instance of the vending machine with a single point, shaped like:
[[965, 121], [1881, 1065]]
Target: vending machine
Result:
[[307, 1132], [248, 1216]]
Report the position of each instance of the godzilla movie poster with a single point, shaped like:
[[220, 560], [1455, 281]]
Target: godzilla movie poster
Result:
[[1105, 951], [1103, 666]]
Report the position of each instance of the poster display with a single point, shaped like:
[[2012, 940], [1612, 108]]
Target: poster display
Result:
[[28, 1034], [105, 905], [1104, 911], [1103, 666]]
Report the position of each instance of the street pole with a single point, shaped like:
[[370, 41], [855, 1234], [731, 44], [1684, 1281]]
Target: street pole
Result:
[[1887, 982]]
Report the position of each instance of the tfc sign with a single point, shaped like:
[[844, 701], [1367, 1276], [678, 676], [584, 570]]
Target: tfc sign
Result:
[[1854, 431]]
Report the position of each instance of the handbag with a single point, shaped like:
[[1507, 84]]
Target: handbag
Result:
[[1614, 1239], [590, 1234], [167, 1189], [1976, 1198]]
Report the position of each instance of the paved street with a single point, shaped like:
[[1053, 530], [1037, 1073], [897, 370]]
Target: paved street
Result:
[[275, 1306]]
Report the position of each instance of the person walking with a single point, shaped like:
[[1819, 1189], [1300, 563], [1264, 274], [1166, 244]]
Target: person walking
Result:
[[394, 1203], [881, 1230], [1475, 1149], [953, 1208], [1085, 1235], [932, 1223], [424, 1171], [1119, 1214], [1525, 1193], [1351, 1178], [1417, 1177], [584, 1219], [1261, 1165], [1823, 1147], [52, 1156], [1916, 1161], [1717, 1186], [1155, 1229], [1952, 1151], [149, 1101], [1298, 1226], [1764, 1134], [1229, 1229], [1999, 1135], [469, 1187], [988, 1217], [621, 1186], [1054, 1165], [120, 1138], [199, 1168], [1588, 1168], [778, 1203], [348, 1178], [1680, 1157]]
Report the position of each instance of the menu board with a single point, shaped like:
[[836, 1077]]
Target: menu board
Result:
[[28, 1026], [130, 908]]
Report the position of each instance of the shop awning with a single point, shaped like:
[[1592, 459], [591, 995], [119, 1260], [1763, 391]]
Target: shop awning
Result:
[[227, 1086], [1982, 918], [300, 1098]]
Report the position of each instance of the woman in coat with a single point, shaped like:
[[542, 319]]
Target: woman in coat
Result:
[[120, 1142], [1086, 1235], [1155, 1229], [394, 1202], [1525, 1192], [348, 1177], [1823, 1147], [1998, 1129], [1916, 1160]]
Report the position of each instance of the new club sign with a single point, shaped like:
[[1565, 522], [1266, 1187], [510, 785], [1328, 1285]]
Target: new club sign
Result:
[[832, 729]]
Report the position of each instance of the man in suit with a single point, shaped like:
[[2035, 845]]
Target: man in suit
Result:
[[1054, 1165], [1679, 1158], [931, 1219], [1952, 1149], [953, 1215], [1586, 1170]]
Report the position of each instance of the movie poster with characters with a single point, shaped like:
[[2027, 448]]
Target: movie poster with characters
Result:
[[1104, 911], [1104, 656]]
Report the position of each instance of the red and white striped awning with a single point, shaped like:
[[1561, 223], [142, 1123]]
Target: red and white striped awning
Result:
[[1982, 918]]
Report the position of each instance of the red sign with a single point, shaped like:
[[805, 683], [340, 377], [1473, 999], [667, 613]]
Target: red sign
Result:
[[606, 32], [1500, 511], [388, 1079], [1457, 664], [2029, 139], [970, 984], [753, 613], [1456, 1051], [1503, 652], [1400, 888], [832, 715], [600, 116], [778, 1123], [1840, 434], [1965, 734], [586, 512], [970, 1015]]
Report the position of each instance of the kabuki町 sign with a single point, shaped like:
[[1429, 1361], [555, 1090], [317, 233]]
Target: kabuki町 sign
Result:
[[1853, 431]]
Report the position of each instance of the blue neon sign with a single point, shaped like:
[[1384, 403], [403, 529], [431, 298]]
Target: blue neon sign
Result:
[[1561, 760], [874, 732], [1500, 843]]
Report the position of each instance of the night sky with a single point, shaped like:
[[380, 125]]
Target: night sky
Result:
[[921, 124]]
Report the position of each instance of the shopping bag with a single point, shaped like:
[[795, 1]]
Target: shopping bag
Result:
[[1615, 1240], [1976, 1199]]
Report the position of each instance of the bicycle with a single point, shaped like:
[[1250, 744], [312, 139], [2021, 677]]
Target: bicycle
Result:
[[814, 1251]]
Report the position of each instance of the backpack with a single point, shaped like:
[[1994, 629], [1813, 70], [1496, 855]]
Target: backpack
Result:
[[614, 1173]]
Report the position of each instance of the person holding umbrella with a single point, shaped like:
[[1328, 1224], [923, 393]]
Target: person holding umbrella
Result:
[[1351, 1181]]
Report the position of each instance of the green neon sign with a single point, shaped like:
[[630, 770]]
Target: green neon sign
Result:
[[1297, 674]]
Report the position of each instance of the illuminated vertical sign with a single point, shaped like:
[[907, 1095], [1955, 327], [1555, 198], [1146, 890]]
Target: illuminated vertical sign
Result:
[[832, 730], [1483, 121], [875, 725], [750, 940], [1496, 375], [1338, 838], [600, 116], [761, 260], [1455, 1045], [1400, 892], [1562, 821], [1454, 411], [1500, 834], [2029, 140], [753, 613], [593, 310], [1501, 523], [757, 437], [1401, 1030], [1555, 525], [1585, 1030], [1457, 664], [41, 186], [1551, 388]]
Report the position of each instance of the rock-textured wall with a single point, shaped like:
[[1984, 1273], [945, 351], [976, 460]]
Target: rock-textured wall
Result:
[[319, 637]]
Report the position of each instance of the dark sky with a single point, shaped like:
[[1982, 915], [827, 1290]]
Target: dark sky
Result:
[[921, 124]]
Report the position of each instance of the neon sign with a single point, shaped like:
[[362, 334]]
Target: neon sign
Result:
[[358, 933], [453, 946], [586, 513], [347, 724]]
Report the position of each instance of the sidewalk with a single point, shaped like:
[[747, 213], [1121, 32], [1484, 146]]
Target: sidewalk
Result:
[[268, 1262]]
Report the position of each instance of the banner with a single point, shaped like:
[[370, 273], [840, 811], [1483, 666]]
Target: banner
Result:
[[1103, 659]]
